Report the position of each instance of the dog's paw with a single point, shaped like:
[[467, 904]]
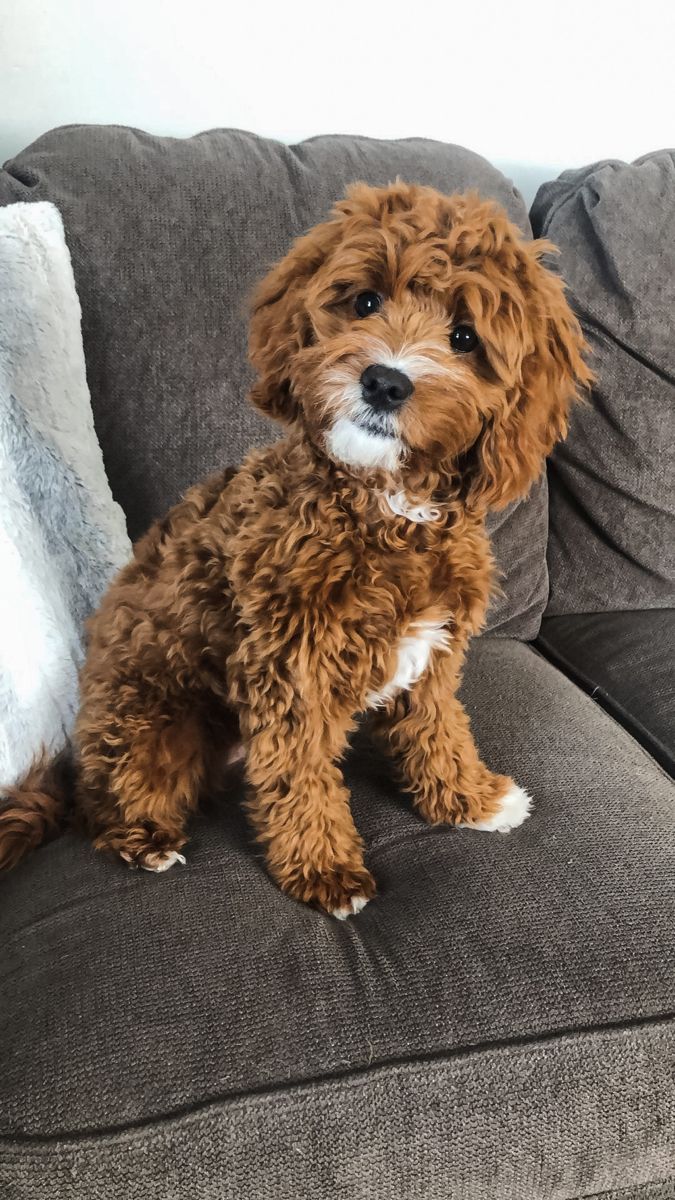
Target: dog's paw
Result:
[[514, 808], [340, 891], [356, 904], [153, 860], [345, 892]]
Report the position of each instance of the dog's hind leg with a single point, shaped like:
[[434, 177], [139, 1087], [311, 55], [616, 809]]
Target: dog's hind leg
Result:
[[139, 781]]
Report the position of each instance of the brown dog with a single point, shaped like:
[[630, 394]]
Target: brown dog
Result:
[[424, 361]]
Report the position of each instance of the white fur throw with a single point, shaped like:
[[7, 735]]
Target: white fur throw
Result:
[[62, 535]]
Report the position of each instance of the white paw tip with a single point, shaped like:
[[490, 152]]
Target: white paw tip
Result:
[[356, 904], [515, 808], [162, 860]]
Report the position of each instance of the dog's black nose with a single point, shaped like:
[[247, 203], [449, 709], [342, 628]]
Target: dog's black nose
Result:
[[385, 387]]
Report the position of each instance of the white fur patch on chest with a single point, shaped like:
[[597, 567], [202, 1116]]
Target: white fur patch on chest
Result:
[[418, 513], [412, 653]]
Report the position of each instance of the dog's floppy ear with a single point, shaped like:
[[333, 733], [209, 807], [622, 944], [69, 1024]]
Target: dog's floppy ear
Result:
[[542, 367], [280, 322]]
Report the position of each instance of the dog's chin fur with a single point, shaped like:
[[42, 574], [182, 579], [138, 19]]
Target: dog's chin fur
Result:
[[352, 445], [343, 567]]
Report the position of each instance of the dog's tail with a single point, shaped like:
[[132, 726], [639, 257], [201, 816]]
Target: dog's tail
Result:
[[35, 810]]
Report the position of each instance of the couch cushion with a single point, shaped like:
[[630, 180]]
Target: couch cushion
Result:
[[626, 661], [167, 238], [612, 483], [494, 1024]]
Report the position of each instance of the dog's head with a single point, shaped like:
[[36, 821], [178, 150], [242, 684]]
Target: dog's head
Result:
[[420, 335]]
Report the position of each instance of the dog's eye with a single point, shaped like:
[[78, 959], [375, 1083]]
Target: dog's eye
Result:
[[464, 339], [367, 303]]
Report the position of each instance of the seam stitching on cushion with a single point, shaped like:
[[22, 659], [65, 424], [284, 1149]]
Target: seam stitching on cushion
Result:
[[630, 1192], [561, 664], [139, 1137]]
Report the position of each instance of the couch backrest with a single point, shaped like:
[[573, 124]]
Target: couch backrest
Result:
[[168, 237], [612, 483]]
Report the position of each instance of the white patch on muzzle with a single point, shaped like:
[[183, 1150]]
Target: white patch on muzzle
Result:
[[358, 447], [360, 437]]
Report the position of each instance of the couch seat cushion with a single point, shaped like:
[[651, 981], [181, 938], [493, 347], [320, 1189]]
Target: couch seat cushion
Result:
[[626, 660], [494, 1024]]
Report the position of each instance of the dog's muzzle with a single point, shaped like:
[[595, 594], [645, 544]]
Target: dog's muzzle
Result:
[[384, 389]]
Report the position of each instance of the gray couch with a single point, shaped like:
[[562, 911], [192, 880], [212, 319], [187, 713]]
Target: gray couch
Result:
[[499, 1024]]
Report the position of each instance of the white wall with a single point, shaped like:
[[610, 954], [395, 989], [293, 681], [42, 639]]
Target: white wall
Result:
[[535, 86]]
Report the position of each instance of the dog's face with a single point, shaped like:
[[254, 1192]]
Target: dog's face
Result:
[[419, 335]]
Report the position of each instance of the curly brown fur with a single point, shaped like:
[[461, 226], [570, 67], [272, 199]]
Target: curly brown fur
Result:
[[37, 810], [274, 605]]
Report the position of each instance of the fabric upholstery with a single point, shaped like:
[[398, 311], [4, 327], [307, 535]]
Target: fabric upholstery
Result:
[[612, 483], [498, 1022], [168, 237], [627, 662]]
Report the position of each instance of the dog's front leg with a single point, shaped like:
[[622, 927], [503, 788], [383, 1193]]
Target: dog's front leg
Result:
[[298, 803], [429, 734]]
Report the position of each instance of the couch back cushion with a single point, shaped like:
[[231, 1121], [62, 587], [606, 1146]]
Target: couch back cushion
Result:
[[612, 483], [168, 237]]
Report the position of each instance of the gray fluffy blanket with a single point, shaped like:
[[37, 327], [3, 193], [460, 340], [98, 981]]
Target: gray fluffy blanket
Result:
[[62, 536]]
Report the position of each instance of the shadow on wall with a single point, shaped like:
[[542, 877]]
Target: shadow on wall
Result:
[[528, 176]]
